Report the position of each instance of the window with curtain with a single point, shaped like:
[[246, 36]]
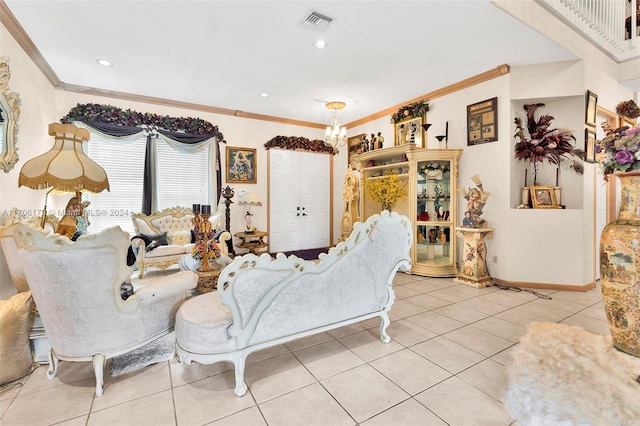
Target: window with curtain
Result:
[[124, 165], [182, 179]]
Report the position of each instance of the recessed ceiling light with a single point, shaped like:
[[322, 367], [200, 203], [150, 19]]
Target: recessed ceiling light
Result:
[[264, 95], [105, 63], [320, 44]]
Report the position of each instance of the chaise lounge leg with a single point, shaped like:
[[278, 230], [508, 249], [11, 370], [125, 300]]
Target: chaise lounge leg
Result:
[[239, 364], [384, 323], [98, 361], [53, 365]]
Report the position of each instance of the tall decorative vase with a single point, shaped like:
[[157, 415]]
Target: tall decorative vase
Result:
[[620, 268]]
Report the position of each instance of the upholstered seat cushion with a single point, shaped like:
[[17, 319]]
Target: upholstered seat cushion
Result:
[[201, 325], [162, 251], [15, 352]]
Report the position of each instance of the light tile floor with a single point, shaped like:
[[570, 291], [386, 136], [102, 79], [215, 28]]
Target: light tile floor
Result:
[[445, 365]]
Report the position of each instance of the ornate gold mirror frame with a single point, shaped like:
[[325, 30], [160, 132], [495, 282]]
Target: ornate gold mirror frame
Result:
[[9, 114]]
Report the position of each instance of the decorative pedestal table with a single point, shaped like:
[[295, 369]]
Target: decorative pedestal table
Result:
[[473, 266], [207, 280]]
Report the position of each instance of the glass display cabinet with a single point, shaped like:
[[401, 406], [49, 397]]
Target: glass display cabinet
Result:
[[436, 181], [431, 176]]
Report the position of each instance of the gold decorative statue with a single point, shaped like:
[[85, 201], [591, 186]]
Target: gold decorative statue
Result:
[[350, 197], [476, 199], [74, 222]]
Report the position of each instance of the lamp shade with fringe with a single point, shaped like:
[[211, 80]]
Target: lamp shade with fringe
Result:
[[65, 167]]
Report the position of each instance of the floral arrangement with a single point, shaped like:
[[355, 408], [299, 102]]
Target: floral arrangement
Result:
[[299, 142], [537, 143], [115, 115], [619, 151], [386, 190], [198, 249], [628, 109], [413, 110]]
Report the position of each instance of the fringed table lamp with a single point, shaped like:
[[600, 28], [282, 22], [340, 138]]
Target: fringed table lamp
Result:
[[65, 167]]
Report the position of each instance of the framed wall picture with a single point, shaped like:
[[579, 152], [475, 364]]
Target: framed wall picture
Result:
[[241, 165], [543, 197], [626, 121], [591, 108], [354, 146], [590, 144], [482, 122], [409, 131]]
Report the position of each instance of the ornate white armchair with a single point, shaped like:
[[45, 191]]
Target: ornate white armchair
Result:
[[78, 288], [8, 244]]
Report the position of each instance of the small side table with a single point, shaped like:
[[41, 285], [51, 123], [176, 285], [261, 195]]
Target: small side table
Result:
[[251, 241], [473, 266]]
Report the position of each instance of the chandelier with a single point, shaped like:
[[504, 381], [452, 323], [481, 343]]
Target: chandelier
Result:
[[335, 134]]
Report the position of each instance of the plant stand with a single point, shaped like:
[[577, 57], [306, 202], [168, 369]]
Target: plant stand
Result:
[[473, 266]]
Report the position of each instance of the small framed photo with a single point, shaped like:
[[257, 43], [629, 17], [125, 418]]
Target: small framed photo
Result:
[[591, 109], [543, 197], [409, 131], [482, 122], [241, 165], [590, 144]]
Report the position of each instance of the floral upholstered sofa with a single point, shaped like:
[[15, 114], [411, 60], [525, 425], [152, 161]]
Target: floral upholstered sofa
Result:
[[162, 238], [263, 302]]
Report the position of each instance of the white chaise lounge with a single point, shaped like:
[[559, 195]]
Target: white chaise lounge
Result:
[[262, 302]]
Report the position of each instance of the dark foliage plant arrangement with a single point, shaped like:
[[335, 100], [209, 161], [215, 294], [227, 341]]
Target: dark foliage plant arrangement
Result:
[[299, 142], [416, 109], [538, 143], [114, 115], [628, 109]]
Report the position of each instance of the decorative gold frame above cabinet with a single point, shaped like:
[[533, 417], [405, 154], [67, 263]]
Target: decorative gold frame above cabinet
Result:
[[431, 176], [10, 113]]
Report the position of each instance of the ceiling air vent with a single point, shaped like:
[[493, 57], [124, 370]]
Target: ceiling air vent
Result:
[[316, 21]]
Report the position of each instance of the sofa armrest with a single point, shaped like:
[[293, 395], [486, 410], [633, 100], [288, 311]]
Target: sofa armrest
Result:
[[223, 239], [138, 244], [167, 286]]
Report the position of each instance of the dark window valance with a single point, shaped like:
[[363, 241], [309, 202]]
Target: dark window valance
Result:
[[114, 115], [187, 134]]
